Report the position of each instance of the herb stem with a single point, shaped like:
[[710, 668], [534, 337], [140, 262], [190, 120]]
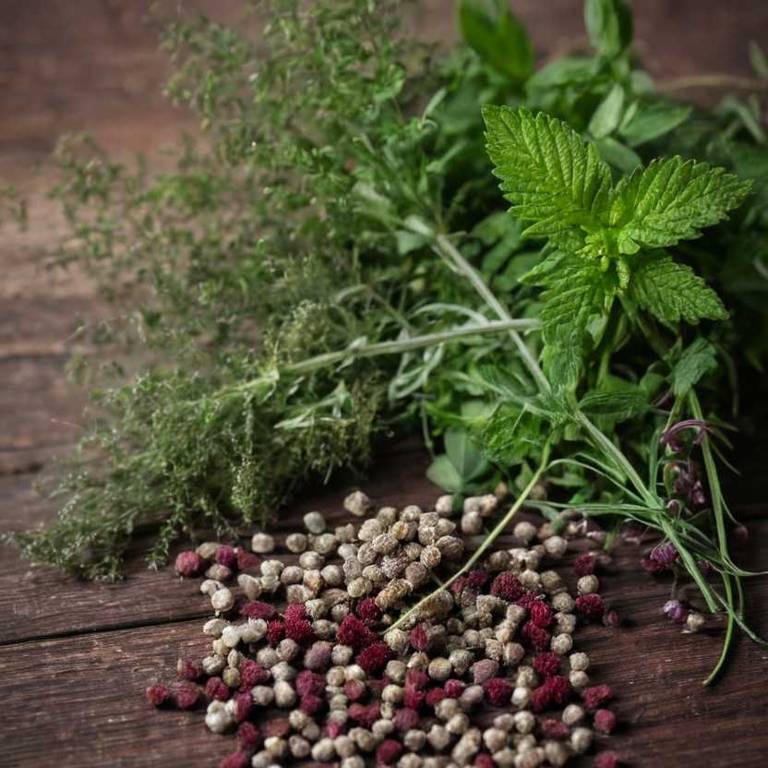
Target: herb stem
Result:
[[487, 541]]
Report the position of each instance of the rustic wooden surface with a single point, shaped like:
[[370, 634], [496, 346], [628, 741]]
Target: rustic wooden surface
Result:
[[75, 658]]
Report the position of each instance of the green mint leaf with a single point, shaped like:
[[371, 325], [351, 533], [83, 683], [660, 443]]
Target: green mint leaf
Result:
[[672, 200], [570, 70], [464, 454], [490, 29], [672, 291], [618, 155], [697, 360], [653, 120], [615, 398], [511, 435], [552, 178], [443, 474], [606, 118], [609, 26]]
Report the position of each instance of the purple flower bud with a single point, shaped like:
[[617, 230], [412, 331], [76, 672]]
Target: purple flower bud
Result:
[[664, 553], [676, 611]]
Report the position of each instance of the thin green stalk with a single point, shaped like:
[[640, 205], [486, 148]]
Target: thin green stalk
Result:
[[487, 541]]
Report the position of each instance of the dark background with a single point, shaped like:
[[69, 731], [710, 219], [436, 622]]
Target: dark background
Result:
[[74, 658]]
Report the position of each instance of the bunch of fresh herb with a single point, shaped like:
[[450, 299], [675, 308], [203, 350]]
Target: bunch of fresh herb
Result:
[[335, 262]]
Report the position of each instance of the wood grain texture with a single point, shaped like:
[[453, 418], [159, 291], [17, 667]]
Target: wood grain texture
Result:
[[74, 657]]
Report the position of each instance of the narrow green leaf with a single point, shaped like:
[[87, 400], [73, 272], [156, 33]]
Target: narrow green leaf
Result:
[[618, 155], [443, 474], [464, 454], [652, 121], [512, 435], [697, 360], [758, 59], [609, 26], [607, 116]]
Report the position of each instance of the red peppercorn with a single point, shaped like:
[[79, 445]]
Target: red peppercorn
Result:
[[413, 698], [248, 736], [559, 689], [605, 721], [368, 611], [538, 637], [416, 678], [595, 695], [188, 670], [607, 760], [243, 706], [158, 694], [477, 579], [364, 716], [590, 606], [334, 729], [311, 703], [374, 658], [454, 688], [299, 630], [540, 613], [507, 586], [235, 760], [252, 673], [554, 729], [355, 633], [419, 638], [247, 561], [186, 695], [388, 752], [498, 691], [309, 682], [256, 609], [406, 719], [354, 690], [547, 664], [189, 563], [225, 555], [484, 760], [275, 632], [585, 565], [216, 689], [435, 696]]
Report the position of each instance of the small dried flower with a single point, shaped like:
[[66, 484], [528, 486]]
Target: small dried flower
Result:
[[607, 760], [158, 694], [590, 606], [186, 695], [675, 611], [604, 721], [596, 695], [189, 563]]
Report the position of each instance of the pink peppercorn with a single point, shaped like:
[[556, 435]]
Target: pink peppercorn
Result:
[[158, 694], [484, 760], [186, 695], [368, 611], [605, 721], [354, 632], [607, 760], [374, 658], [498, 691], [413, 698], [354, 690], [416, 678], [540, 613], [309, 682], [454, 688], [275, 632], [406, 719], [527, 599], [584, 565], [419, 638], [248, 736], [225, 555], [434, 697], [590, 606], [595, 695], [364, 716], [538, 637], [243, 706], [247, 561], [256, 609], [311, 703], [252, 673], [477, 579], [554, 729], [334, 729], [299, 630], [388, 752], [547, 664], [189, 563], [216, 689], [235, 760], [188, 670], [559, 689], [507, 586]]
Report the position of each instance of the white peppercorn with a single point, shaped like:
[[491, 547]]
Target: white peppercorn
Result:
[[212, 665], [298, 746], [231, 677], [207, 550], [551, 581], [556, 546], [311, 731], [357, 503], [578, 679], [562, 644], [581, 739], [521, 696], [276, 746], [382, 728], [250, 585], [562, 602], [414, 740], [556, 753], [311, 561], [439, 668], [217, 718], [579, 661], [292, 574], [353, 761], [524, 721], [504, 722], [210, 586], [512, 654], [565, 622], [214, 627], [219, 647], [222, 600], [438, 737], [267, 657], [262, 543], [505, 758], [333, 575], [262, 695], [325, 543], [526, 677], [234, 658], [253, 630], [586, 585], [285, 694], [457, 724], [219, 572], [524, 532]]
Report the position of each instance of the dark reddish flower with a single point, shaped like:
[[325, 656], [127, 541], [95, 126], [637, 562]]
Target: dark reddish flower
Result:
[[374, 658], [507, 586], [675, 610], [248, 736], [484, 760], [275, 632], [189, 563], [355, 633], [528, 598], [252, 673], [537, 637], [158, 694], [585, 565], [413, 698], [235, 760], [477, 579], [416, 678], [651, 566], [547, 664], [186, 695], [225, 555], [310, 682], [596, 695], [419, 638], [540, 699], [368, 611], [498, 691], [665, 554], [216, 689], [311, 704], [540, 613], [405, 719], [607, 760], [554, 729], [590, 606], [188, 670], [243, 706], [334, 729], [364, 716], [388, 752], [354, 690], [295, 612], [435, 696], [247, 561], [299, 630], [257, 609], [454, 688], [559, 689], [605, 721]]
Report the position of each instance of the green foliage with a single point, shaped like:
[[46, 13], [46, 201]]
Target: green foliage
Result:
[[609, 25], [696, 361]]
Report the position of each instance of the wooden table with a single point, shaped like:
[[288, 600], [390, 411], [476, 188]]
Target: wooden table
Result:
[[74, 657]]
